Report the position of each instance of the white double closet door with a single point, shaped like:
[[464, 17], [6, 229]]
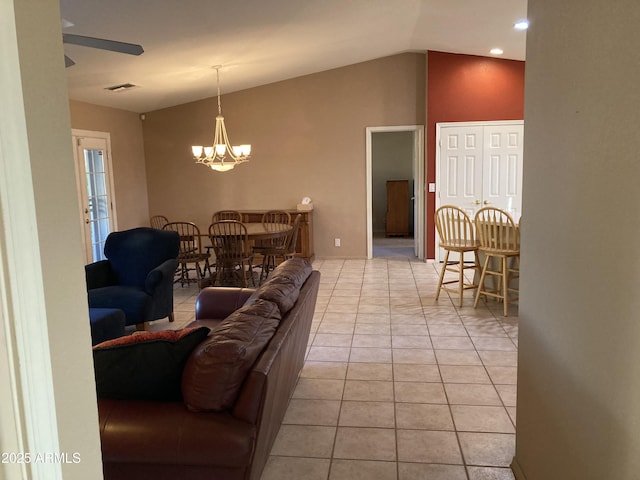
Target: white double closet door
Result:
[[479, 164]]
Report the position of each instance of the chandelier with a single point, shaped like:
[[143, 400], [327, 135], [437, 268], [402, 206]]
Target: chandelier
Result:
[[221, 156]]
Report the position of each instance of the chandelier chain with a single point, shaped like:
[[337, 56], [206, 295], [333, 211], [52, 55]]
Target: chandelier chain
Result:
[[218, 79]]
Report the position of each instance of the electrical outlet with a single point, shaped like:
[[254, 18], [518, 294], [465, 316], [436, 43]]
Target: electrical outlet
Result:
[[337, 242]]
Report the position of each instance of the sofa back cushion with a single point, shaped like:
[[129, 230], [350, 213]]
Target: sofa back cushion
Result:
[[283, 286], [216, 369], [296, 270]]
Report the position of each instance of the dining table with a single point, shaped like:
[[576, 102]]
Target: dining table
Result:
[[258, 231]]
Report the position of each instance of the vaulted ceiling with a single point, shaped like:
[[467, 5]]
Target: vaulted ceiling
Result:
[[263, 41]]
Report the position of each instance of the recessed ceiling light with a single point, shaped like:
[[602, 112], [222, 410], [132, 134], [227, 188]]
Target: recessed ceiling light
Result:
[[521, 24], [496, 51]]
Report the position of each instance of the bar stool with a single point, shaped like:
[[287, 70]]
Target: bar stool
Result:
[[455, 230], [499, 238]]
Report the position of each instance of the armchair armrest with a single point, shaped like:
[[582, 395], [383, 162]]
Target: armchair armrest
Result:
[[158, 275], [98, 274], [220, 302]]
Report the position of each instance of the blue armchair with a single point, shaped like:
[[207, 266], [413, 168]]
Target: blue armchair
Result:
[[137, 276]]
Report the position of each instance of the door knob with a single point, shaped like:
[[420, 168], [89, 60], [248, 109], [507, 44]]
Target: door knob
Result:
[[86, 220], [487, 202], [477, 202]]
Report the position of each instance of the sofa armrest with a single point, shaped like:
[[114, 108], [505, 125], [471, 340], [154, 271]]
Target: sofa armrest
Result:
[[161, 274], [98, 274], [220, 302]]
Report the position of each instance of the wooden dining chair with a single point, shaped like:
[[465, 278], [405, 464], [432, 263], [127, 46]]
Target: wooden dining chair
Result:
[[233, 253], [292, 238], [273, 221], [191, 257], [499, 241], [226, 215], [158, 221], [283, 251], [456, 233]]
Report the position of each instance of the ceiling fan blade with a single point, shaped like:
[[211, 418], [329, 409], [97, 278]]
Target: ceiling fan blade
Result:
[[68, 62], [102, 44]]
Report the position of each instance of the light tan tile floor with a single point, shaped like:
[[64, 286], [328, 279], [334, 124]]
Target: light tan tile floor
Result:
[[396, 385]]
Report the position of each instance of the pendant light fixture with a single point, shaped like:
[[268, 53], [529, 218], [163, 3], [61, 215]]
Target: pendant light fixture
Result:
[[221, 156]]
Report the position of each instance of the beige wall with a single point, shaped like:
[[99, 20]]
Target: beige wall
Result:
[[579, 337], [127, 152], [308, 139]]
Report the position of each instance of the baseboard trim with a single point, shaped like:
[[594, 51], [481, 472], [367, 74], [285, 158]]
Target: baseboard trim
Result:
[[517, 471]]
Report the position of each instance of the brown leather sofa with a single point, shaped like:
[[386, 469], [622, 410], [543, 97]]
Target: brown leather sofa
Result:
[[232, 405]]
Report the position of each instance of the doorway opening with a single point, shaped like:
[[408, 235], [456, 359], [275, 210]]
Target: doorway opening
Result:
[[395, 191]]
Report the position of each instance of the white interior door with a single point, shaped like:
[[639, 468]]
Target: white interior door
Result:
[[95, 187], [502, 168], [461, 152], [479, 164]]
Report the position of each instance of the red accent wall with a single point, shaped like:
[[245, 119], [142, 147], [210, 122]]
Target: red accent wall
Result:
[[465, 88]]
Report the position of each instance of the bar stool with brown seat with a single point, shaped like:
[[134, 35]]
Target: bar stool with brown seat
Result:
[[456, 233], [191, 257], [499, 239]]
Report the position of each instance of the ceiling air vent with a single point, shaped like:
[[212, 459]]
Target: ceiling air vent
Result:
[[121, 88]]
